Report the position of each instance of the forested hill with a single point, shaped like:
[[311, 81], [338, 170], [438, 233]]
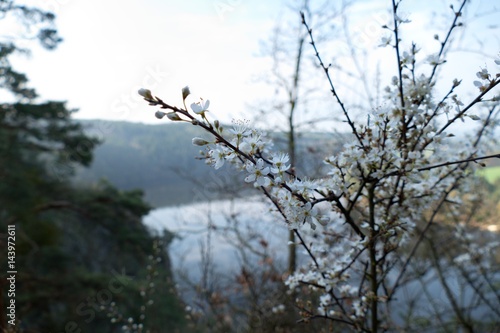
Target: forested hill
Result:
[[156, 158], [161, 160]]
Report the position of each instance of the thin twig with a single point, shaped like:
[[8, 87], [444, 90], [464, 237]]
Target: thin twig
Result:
[[443, 44], [332, 88], [398, 56], [476, 100], [473, 159]]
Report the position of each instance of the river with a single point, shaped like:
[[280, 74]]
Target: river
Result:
[[199, 224]]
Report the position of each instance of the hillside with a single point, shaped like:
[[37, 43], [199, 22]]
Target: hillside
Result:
[[156, 158], [161, 160]]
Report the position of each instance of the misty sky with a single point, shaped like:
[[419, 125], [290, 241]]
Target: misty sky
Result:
[[112, 48]]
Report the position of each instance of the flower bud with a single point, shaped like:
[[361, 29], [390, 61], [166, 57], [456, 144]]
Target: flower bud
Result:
[[199, 142], [185, 92], [146, 93], [159, 114], [173, 116]]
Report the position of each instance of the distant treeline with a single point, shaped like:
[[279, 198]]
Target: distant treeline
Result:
[[162, 161]]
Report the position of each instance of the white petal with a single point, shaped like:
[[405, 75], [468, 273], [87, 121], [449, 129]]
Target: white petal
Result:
[[196, 108], [260, 163], [250, 178]]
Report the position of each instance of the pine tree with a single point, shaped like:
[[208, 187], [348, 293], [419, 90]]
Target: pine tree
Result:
[[77, 250]]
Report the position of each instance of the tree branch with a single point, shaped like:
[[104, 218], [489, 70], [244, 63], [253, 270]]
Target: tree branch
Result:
[[473, 159]]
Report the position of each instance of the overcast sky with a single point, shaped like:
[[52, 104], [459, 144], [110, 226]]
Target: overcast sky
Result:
[[112, 48]]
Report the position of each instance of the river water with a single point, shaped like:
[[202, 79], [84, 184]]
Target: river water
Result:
[[208, 225]]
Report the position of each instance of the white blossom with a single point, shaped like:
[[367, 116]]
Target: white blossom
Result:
[[257, 173], [200, 107]]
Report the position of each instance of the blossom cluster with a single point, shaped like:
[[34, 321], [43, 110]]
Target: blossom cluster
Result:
[[386, 165], [401, 163], [249, 151]]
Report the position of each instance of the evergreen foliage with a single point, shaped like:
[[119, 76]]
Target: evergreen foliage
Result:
[[77, 250]]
